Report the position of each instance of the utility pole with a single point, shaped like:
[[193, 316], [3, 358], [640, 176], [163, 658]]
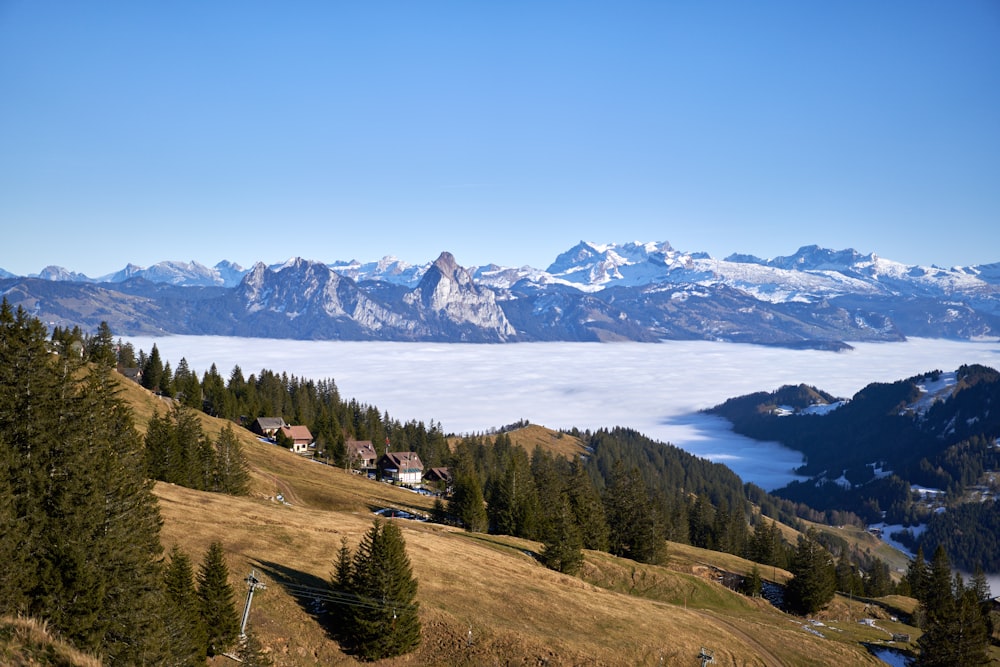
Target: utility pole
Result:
[[253, 583]]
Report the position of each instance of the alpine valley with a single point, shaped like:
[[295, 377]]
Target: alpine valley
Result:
[[815, 298]]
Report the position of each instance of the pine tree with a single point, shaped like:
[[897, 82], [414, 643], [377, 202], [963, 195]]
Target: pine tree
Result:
[[218, 607], [955, 631], [187, 634], [82, 507], [848, 580], [152, 371], [383, 620], [232, 473], [752, 584], [101, 347], [970, 630], [466, 503], [917, 575], [815, 579], [633, 524], [513, 501], [13, 542], [563, 549], [588, 509]]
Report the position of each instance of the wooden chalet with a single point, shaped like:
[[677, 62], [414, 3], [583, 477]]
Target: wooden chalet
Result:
[[267, 427], [401, 467], [361, 454], [299, 437]]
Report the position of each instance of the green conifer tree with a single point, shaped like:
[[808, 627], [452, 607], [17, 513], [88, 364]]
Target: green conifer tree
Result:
[[152, 370], [634, 527], [383, 620], [232, 473], [216, 597], [101, 347], [187, 634], [563, 548], [815, 578], [466, 503], [78, 489], [588, 509], [752, 584]]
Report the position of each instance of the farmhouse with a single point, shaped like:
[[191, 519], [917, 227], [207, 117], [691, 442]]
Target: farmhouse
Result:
[[400, 467], [267, 427], [442, 475], [298, 437], [361, 454]]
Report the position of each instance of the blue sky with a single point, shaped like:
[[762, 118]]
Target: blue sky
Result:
[[502, 132]]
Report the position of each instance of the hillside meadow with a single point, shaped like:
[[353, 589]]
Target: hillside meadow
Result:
[[484, 599]]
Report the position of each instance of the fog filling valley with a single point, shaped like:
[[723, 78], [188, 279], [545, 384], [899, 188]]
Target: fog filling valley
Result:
[[654, 388]]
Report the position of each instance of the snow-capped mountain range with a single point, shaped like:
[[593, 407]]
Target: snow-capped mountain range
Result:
[[631, 291]]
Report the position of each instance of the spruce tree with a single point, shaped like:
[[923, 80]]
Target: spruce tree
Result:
[[83, 509], [383, 621], [152, 370], [466, 503], [217, 601], [955, 631], [232, 473], [634, 525], [752, 584], [815, 579], [588, 509], [101, 347], [187, 634], [917, 575], [563, 549], [13, 542]]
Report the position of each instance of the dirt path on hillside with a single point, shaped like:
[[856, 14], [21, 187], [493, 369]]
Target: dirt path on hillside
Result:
[[765, 654], [283, 487]]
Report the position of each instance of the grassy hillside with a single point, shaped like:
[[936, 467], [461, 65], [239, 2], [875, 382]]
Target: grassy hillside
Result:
[[25, 642], [483, 599]]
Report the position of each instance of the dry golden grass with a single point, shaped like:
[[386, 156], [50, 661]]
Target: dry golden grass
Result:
[[484, 600], [553, 442], [26, 642]]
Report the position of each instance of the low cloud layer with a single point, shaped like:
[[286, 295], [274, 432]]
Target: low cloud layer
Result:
[[656, 389]]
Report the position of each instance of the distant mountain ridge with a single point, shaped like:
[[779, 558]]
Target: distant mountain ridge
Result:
[[601, 292]]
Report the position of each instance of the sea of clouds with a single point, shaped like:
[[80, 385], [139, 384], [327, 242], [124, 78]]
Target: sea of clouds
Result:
[[655, 388]]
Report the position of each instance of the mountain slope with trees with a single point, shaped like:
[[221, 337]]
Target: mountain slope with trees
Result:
[[873, 453], [481, 596]]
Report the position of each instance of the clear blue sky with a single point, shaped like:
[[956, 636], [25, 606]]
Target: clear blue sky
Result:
[[500, 131]]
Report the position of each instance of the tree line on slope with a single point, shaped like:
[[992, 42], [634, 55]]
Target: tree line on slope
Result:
[[81, 540], [627, 496]]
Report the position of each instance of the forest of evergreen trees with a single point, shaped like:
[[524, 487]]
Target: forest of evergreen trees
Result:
[[81, 527], [76, 491], [627, 496]]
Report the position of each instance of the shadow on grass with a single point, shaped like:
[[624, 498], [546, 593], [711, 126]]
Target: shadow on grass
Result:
[[313, 594]]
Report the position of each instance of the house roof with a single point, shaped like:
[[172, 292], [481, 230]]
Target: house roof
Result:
[[402, 461], [269, 423], [297, 433], [442, 474], [361, 448]]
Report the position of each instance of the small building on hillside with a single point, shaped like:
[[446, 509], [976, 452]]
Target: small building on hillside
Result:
[[133, 374], [267, 427], [400, 467], [298, 437], [441, 475], [439, 479], [361, 454]]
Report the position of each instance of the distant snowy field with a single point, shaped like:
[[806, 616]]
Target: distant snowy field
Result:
[[656, 389]]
